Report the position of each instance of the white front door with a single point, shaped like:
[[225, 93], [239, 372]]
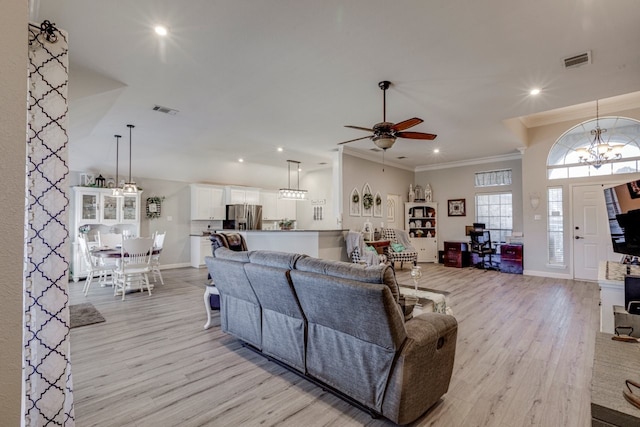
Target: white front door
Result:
[[591, 239]]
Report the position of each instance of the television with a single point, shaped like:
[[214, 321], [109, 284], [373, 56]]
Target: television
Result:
[[623, 212]]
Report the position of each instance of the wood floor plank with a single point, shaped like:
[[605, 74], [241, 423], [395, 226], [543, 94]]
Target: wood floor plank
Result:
[[524, 357]]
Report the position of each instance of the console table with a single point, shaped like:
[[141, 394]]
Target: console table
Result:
[[613, 363]]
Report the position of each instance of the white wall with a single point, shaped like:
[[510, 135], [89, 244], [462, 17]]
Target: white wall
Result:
[[459, 183], [534, 171], [356, 172], [13, 50]]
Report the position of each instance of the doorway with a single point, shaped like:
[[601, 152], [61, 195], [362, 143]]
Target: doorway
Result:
[[590, 237]]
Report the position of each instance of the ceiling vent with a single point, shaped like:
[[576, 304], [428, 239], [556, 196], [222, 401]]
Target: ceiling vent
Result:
[[401, 157], [577, 60], [165, 110], [375, 149]]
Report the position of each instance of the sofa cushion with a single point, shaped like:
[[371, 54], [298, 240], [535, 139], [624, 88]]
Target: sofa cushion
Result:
[[380, 274], [276, 259], [228, 254]]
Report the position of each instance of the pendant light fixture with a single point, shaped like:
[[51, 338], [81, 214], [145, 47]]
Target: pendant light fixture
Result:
[[599, 152], [130, 186], [292, 193], [117, 191]]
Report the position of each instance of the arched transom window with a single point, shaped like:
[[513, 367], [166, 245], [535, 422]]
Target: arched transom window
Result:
[[565, 160]]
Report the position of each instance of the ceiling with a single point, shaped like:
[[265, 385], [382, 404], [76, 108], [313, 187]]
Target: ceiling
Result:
[[247, 77]]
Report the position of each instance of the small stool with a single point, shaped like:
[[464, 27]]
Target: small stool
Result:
[[209, 302]]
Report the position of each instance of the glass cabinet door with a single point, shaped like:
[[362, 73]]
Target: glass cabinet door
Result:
[[89, 207], [109, 208], [130, 208]]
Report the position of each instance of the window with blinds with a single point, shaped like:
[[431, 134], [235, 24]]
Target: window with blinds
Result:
[[555, 226], [493, 178], [495, 211]]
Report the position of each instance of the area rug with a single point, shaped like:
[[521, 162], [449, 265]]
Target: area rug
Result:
[[84, 314]]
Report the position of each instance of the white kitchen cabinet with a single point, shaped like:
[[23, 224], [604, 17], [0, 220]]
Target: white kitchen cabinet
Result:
[[286, 209], [275, 209], [200, 248], [207, 202], [242, 195], [269, 202]]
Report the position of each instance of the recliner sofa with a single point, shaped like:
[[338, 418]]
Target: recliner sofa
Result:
[[339, 325]]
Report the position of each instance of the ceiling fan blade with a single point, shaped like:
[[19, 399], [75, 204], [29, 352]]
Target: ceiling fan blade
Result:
[[416, 135], [359, 128], [406, 124], [357, 139]]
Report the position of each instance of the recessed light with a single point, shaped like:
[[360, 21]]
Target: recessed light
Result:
[[534, 92], [436, 150], [161, 30], [280, 149], [241, 160]]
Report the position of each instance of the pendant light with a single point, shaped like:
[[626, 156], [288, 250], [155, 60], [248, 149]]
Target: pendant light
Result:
[[117, 191], [292, 193], [130, 186]]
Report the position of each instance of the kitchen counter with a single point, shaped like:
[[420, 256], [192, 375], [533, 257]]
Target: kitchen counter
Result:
[[326, 244]]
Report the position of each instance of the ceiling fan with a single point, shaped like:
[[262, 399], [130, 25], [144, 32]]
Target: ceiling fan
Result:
[[384, 134]]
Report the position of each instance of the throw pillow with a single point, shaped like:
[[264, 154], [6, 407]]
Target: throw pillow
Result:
[[397, 247]]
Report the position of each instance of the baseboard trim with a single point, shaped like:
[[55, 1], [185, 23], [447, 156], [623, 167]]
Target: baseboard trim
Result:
[[178, 265], [547, 274]]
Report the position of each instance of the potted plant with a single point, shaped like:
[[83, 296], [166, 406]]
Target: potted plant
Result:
[[286, 224]]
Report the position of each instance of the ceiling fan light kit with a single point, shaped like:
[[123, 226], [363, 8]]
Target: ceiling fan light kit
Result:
[[384, 134]]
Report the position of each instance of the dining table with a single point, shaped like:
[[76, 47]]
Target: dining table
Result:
[[116, 253]]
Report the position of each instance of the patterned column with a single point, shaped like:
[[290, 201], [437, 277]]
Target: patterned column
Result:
[[48, 396]]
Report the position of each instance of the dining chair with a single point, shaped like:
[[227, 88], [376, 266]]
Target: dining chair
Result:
[[110, 240], [158, 242], [96, 269], [135, 265]]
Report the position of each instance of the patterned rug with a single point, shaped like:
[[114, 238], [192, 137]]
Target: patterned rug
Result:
[[84, 314]]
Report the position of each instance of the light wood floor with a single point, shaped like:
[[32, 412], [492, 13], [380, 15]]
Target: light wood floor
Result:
[[524, 357]]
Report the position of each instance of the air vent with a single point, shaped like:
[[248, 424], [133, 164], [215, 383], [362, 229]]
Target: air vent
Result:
[[577, 60], [375, 150], [401, 157], [165, 110]]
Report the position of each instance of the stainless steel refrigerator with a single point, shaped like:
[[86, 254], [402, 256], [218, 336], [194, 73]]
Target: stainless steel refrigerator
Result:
[[243, 217]]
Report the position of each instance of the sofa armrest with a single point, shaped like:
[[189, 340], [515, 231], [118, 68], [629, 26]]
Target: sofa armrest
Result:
[[423, 368]]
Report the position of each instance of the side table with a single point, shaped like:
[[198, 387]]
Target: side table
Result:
[[210, 290], [379, 245]]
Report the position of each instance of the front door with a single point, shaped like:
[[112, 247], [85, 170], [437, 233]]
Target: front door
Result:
[[591, 240]]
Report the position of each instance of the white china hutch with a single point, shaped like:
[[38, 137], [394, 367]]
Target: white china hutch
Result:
[[97, 209], [421, 220]]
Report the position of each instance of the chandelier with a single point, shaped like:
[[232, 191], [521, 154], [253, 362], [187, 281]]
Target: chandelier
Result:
[[599, 152], [292, 193]]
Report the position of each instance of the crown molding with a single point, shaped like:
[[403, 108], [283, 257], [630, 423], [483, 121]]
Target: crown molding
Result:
[[482, 160]]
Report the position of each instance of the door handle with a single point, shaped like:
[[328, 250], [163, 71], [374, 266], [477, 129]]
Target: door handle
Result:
[[579, 237]]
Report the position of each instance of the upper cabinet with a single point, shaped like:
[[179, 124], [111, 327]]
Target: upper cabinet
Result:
[[269, 200], [207, 202], [98, 206], [275, 209], [242, 195]]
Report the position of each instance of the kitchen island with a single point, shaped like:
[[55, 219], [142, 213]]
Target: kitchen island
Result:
[[325, 244]]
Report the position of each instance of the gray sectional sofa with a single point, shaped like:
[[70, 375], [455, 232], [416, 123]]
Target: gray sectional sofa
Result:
[[339, 325]]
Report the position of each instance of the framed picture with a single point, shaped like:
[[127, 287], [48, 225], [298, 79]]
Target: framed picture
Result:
[[634, 189], [456, 207]]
